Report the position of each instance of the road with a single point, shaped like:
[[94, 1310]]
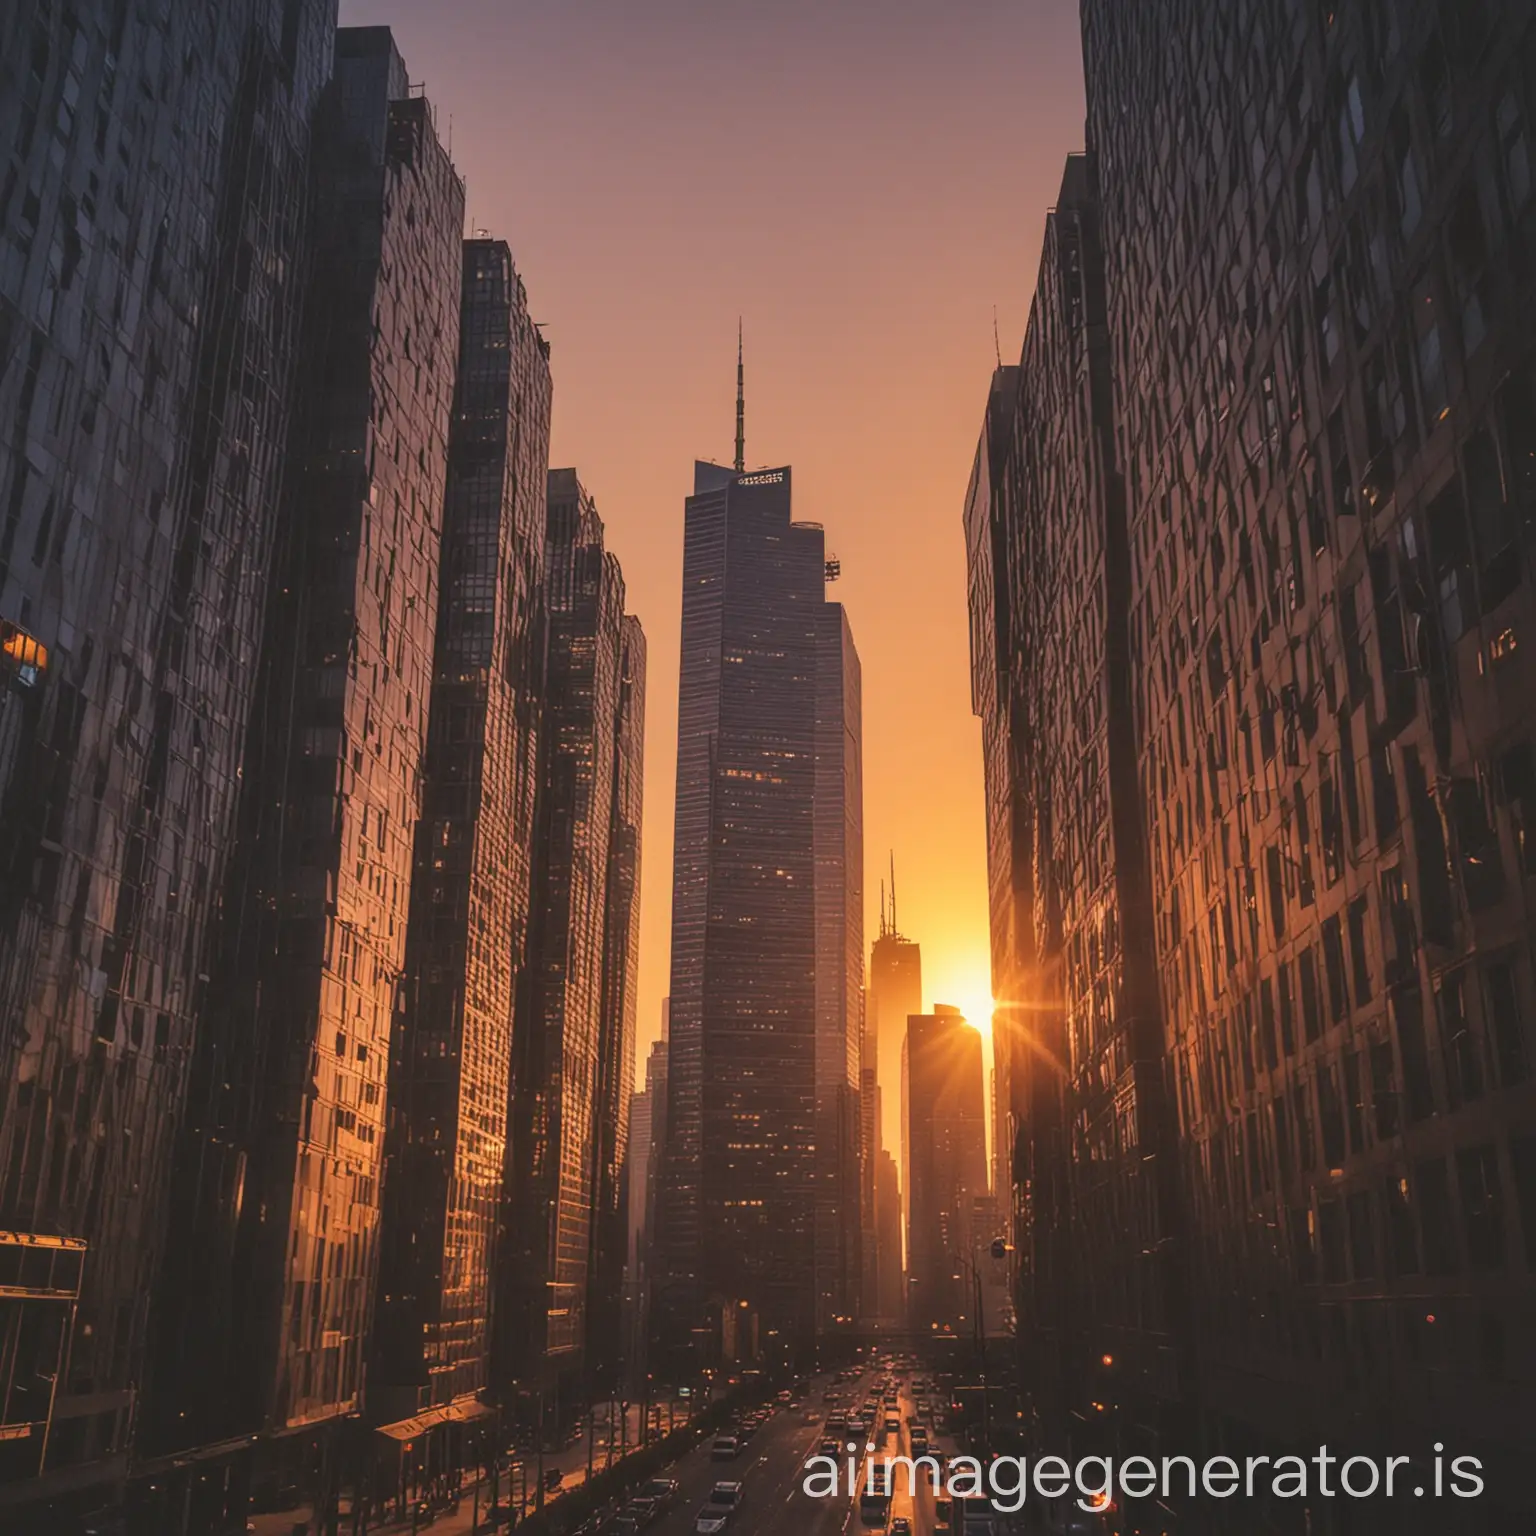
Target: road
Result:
[[772, 1472]]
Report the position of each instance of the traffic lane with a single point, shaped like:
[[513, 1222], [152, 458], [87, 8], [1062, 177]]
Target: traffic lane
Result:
[[763, 1468], [774, 1500]]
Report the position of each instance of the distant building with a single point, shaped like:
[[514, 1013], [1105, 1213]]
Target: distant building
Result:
[[647, 1140], [451, 1065], [268, 1301], [895, 994], [946, 1165], [890, 1304]]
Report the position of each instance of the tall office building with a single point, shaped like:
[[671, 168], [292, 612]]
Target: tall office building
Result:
[[1102, 1260], [895, 994], [590, 723], [998, 639], [1316, 377], [266, 1303], [620, 1000], [946, 1140], [839, 894], [449, 1073], [1330, 495], [890, 1304], [647, 1140], [150, 295], [738, 1224]]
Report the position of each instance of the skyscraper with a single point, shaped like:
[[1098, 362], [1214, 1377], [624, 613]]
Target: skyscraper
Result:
[[450, 1068], [620, 1000], [1285, 311], [946, 1157], [1100, 1156], [267, 1298], [587, 797], [839, 854], [895, 994], [750, 962], [150, 297]]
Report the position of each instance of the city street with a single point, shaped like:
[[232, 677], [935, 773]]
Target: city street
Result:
[[771, 1469]]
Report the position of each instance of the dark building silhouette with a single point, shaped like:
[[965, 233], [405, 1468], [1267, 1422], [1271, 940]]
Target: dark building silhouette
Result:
[[643, 1171], [738, 1221], [573, 1002], [1314, 373], [620, 1000], [839, 853], [1099, 1155], [150, 294], [946, 1158], [890, 1285], [895, 994], [266, 1305], [450, 1068]]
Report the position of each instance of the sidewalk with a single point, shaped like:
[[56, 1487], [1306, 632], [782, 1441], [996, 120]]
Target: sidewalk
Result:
[[606, 1442]]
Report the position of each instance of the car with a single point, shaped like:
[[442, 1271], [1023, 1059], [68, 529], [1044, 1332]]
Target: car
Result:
[[711, 1520], [857, 1428], [892, 1425], [725, 1448], [900, 1526], [829, 1447], [643, 1510], [783, 1395], [662, 1491], [553, 1477], [726, 1496]]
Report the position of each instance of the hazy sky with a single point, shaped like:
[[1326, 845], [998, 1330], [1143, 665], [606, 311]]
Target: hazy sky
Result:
[[862, 181]]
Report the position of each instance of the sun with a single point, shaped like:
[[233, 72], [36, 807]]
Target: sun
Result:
[[976, 1003]]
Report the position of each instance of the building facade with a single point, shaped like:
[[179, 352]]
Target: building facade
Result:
[[946, 1156], [265, 1305], [839, 854], [558, 1069], [450, 1066], [620, 1001], [151, 289], [1305, 359], [737, 1224]]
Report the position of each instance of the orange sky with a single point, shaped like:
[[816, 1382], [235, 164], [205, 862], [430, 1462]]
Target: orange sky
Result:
[[862, 180]]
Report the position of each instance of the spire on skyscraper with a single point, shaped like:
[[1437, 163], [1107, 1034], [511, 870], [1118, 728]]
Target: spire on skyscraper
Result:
[[741, 408]]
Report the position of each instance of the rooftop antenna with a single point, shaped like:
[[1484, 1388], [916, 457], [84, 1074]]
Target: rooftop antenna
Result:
[[741, 406], [883, 929], [894, 929], [997, 345]]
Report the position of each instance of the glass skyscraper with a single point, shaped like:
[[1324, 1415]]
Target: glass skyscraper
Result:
[[151, 286], [450, 1073], [738, 1228], [268, 1294]]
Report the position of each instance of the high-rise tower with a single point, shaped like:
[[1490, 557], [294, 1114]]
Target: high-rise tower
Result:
[[268, 1302], [156, 236], [451, 1062], [767, 827]]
